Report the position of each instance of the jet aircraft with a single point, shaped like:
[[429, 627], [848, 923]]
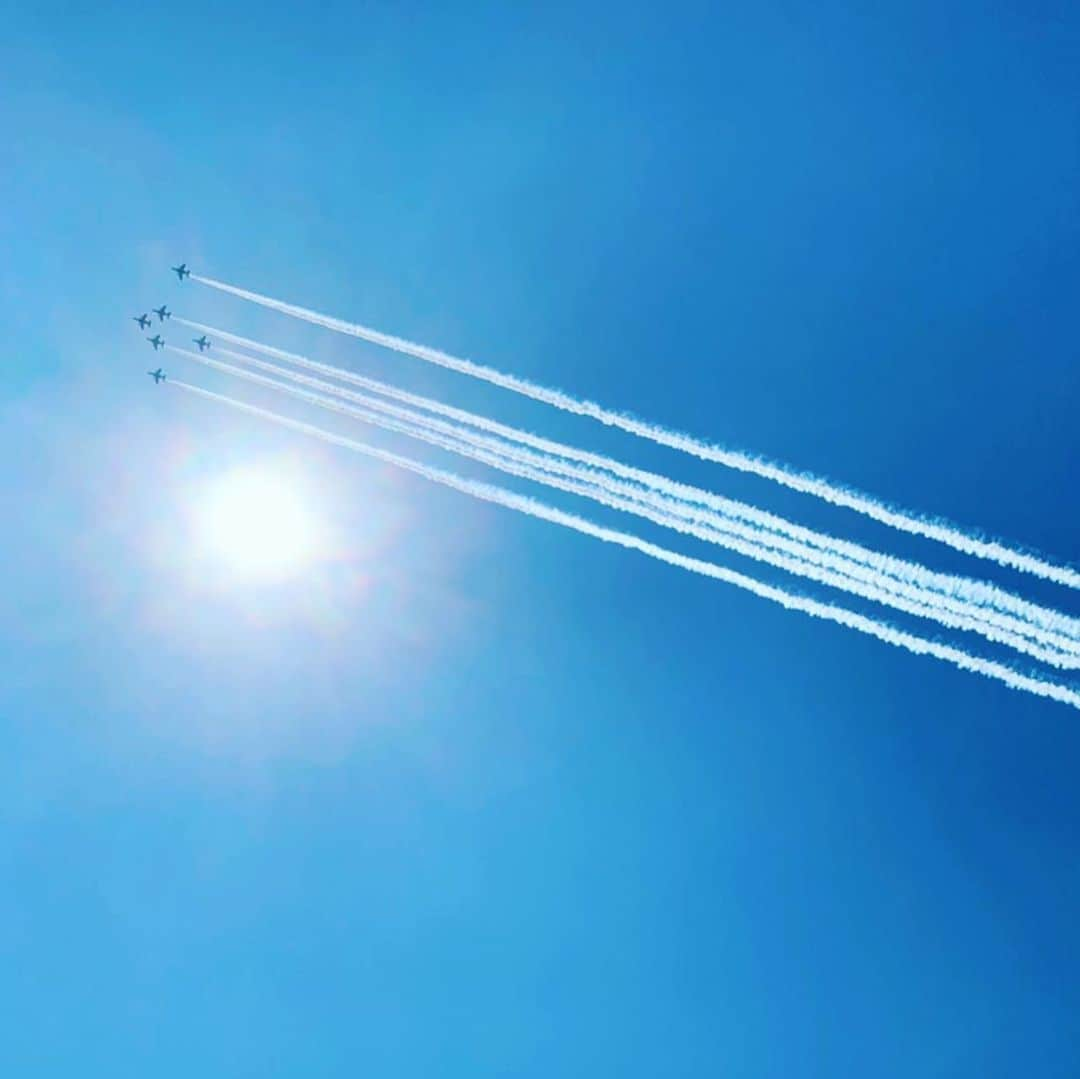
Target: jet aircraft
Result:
[[181, 271], [203, 342], [157, 376], [162, 312], [142, 320], [157, 341]]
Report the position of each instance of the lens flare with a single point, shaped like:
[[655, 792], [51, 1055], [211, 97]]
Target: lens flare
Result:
[[257, 524]]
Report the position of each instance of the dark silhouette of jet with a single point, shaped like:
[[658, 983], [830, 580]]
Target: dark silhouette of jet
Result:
[[142, 320], [181, 271], [162, 312], [203, 342], [157, 341], [157, 376]]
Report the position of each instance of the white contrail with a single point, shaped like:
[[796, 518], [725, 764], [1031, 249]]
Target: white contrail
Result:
[[733, 535], [949, 534], [489, 493], [958, 593], [709, 526], [713, 527]]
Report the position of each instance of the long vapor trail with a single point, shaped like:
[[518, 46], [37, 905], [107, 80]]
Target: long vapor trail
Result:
[[951, 535], [531, 507], [954, 593], [743, 539]]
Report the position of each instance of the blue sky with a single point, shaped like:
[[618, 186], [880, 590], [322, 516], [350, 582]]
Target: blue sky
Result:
[[474, 796]]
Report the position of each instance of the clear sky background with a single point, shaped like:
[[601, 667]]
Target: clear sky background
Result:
[[474, 796]]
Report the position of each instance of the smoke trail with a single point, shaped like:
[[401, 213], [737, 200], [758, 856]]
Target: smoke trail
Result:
[[828, 612], [957, 593], [740, 538], [949, 534], [711, 527]]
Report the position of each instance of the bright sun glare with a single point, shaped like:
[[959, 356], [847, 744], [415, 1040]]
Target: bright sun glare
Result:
[[257, 523]]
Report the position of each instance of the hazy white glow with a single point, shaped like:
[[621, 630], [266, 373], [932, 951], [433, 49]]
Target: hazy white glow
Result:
[[256, 523]]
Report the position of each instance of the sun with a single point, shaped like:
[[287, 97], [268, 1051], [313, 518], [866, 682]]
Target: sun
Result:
[[257, 523]]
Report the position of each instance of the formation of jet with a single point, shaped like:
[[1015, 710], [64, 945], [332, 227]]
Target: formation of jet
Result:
[[163, 312]]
